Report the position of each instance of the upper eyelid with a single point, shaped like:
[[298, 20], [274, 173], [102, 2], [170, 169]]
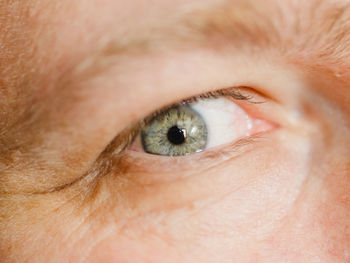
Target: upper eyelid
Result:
[[241, 93]]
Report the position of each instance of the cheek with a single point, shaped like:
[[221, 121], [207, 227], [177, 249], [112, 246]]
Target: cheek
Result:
[[261, 206], [239, 209]]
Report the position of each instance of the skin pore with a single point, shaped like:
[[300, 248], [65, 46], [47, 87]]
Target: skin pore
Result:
[[77, 76]]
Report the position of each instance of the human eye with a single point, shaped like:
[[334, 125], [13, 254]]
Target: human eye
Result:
[[221, 130], [202, 123]]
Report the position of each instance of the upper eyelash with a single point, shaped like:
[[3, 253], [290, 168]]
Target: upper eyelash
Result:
[[236, 93]]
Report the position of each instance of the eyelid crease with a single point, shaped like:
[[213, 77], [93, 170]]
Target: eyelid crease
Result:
[[104, 164]]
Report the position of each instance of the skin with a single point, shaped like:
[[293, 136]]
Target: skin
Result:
[[75, 75]]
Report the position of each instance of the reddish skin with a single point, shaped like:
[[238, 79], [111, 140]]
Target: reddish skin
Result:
[[281, 198]]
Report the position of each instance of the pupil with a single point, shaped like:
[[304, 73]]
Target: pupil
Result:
[[176, 135]]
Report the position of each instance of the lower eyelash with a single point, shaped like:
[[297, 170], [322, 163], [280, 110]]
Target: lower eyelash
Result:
[[136, 163]]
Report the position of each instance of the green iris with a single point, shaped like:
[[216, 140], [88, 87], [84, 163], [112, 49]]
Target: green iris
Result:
[[175, 132]]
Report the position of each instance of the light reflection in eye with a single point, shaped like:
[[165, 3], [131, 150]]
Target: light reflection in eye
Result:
[[177, 131], [197, 125]]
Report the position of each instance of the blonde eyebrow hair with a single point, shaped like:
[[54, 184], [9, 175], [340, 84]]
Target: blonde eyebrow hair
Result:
[[239, 24], [317, 29]]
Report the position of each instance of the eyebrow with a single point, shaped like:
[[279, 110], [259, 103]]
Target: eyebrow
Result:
[[321, 31], [240, 25]]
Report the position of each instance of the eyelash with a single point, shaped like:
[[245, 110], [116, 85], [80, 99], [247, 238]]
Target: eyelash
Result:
[[127, 138], [236, 93]]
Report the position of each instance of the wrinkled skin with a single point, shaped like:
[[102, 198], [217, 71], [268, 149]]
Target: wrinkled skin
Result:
[[74, 75]]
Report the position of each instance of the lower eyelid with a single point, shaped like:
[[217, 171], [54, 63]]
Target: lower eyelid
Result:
[[146, 167]]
